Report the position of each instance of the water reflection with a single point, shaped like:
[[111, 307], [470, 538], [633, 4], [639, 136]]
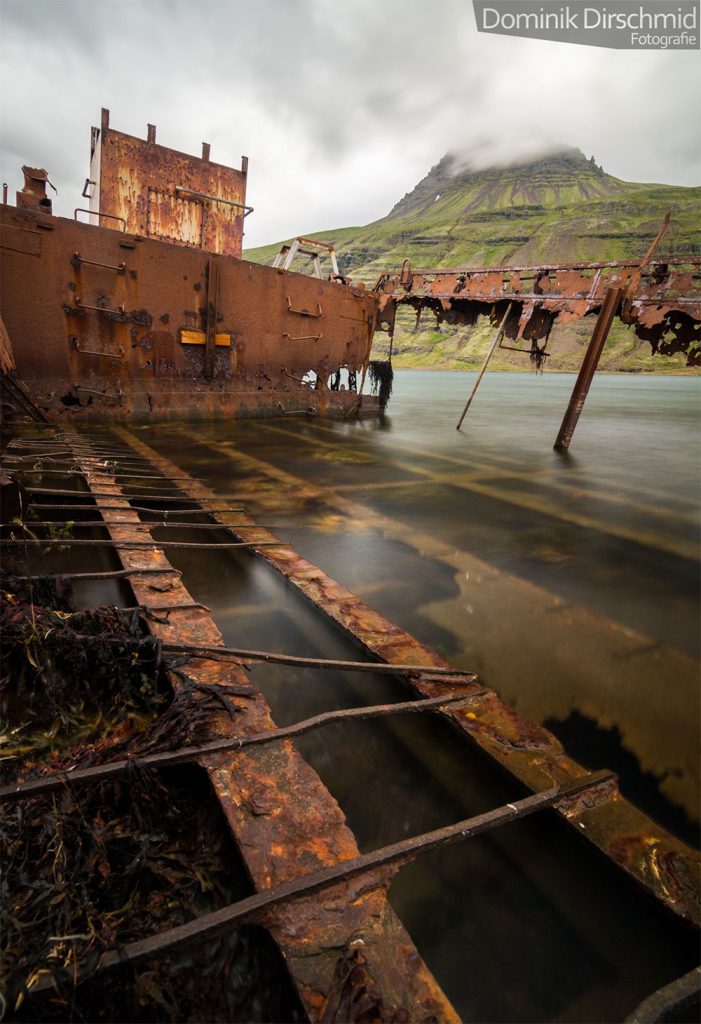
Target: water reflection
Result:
[[569, 584]]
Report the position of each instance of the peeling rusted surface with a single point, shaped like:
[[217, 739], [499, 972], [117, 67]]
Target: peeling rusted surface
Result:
[[665, 866], [663, 307], [285, 822], [161, 193]]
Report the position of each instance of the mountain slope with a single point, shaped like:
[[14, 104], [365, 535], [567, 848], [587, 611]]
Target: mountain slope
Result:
[[558, 208]]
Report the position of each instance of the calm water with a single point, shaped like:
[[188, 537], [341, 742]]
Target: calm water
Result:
[[570, 583]]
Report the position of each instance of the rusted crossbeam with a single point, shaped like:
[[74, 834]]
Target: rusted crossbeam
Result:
[[112, 574], [183, 755], [179, 496], [272, 657], [73, 542], [132, 508]]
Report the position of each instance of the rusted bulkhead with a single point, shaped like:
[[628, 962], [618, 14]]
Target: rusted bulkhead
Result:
[[106, 324], [158, 192], [663, 304]]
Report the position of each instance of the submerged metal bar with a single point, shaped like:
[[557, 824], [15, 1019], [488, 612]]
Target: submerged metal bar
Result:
[[137, 508], [130, 497], [84, 523], [395, 855], [111, 574], [274, 658], [498, 335], [588, 368], [113, 471], [166, 758], [72, 542]]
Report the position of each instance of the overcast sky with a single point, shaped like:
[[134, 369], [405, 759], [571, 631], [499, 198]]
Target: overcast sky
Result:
[[340, 105]]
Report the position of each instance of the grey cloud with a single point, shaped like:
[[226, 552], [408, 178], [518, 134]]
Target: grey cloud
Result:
[[342, 107]]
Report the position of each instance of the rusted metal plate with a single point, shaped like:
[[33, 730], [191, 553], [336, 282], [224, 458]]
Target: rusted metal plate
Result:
[[663, 865], [163, 193], [285, 822]]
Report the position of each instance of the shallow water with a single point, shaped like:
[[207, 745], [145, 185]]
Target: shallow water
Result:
[[569, 583]]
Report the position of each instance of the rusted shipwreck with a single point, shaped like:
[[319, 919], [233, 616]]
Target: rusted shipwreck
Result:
[[147, 311], [98, 323]]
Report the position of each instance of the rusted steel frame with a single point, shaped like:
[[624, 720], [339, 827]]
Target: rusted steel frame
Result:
[[587, 370], [378, 864], [303, 337], [278, 658], [139, 508], [307, 829], [693, 261], [183, 755], [304, 312], [670, 1001], [90, 451], [119, 311], [73, 542], [179, 496], [126, 474], [215, 199], [84, 524], [498, 335], [112, 574], [96, 213], [659, 862], [77, 260]]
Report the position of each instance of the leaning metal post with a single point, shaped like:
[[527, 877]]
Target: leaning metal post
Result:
[[498, 335], [585, 376]]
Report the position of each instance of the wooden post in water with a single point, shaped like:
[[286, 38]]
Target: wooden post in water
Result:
[[499, 334], [585, 376]]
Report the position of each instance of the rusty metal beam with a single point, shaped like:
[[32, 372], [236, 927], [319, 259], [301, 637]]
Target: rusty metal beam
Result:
[[184, 755], [588, 368]]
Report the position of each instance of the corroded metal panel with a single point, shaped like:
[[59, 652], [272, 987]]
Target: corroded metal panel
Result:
[[105, 325], [163, 193], [175, 218]]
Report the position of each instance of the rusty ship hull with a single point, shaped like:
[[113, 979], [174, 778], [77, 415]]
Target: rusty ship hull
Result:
[[147, 311], [113, 326]]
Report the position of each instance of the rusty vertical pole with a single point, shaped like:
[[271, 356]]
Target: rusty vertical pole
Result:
[[212, 303], [585, 376], [498, 335]]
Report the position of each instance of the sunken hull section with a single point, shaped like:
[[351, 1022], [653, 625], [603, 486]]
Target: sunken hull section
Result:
[[115, 326]]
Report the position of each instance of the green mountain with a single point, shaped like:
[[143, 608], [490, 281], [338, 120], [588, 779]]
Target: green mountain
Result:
[[561, 207]]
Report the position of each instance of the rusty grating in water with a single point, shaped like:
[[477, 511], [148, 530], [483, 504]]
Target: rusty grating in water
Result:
[[314, 891]]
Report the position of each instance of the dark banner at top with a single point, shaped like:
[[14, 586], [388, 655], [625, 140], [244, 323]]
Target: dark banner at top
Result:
[[616, 24]]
